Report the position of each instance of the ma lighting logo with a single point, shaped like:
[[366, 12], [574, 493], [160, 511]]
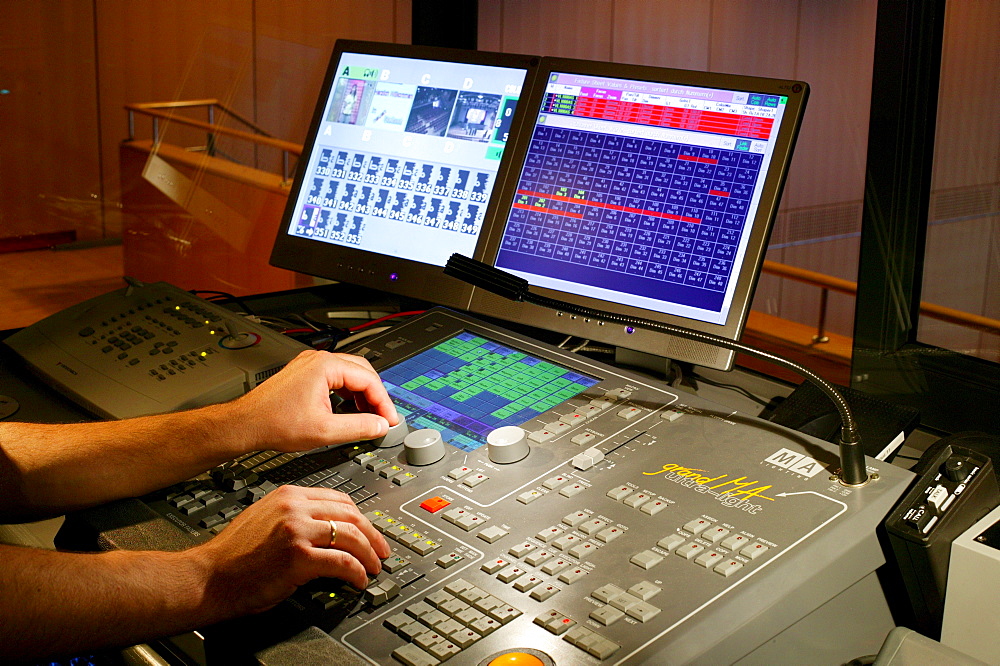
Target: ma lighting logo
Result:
[[796, 462]]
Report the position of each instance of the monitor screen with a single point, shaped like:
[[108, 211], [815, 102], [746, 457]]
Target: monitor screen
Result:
[[644, 191], [398, 166], [468, 385]]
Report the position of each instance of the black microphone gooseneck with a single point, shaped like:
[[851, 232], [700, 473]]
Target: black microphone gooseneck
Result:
[[852, 458]]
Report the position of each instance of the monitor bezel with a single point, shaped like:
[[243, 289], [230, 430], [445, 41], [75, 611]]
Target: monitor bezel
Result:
[[640, 339], [394, 275]]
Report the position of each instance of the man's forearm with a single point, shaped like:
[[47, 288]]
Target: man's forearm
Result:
[[60, 603], [50, 469]]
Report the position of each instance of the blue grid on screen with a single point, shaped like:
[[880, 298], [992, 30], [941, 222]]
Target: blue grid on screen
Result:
[[468, 385]]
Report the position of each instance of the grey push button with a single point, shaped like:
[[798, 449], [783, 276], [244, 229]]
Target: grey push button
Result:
[[543, 592], [541, 436], [647, 559], [539, 556], [528, 496], [653, 507], [624, 601], [644, 590], [735, 542], [690, 551], [491, 534], [609, 534], [715, 534], [643, 611], [754, 551], [592, 526], [459, 472], [606, 615], [696, 526], [728, 567], [619, 493], [708, 559], [493, 566], [636, 500], [670, 541], [474, 480], [521, 549], [549, 533], [555, 482], [606, 593], [572, 489]]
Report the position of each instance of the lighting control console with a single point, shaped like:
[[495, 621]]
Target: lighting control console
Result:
[[634, 524]]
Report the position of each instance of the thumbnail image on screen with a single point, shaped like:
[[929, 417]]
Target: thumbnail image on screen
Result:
[[469, 385], [405, 156]]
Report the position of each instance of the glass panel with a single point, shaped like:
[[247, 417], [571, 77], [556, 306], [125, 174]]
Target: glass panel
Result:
[[962, 262]]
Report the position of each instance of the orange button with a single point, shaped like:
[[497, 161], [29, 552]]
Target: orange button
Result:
[[517, 659], [434, 504]]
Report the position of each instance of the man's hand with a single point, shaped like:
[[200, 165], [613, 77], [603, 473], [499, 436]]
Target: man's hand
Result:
[[283, 542], [291, 411]]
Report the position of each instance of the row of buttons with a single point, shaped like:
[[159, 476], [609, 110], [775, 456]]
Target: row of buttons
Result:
[[644, 502], [402, 533], [568, 421], [577, 635], [446, 622], [680, 544], [384, 468], [87, 331], [574, 488], [469, 477], [618, 603]]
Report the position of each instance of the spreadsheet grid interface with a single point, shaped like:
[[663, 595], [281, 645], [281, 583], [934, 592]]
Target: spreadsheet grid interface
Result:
[[468, 385], [648, 198]]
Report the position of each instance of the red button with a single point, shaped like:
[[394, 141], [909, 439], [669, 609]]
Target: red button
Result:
[[434, 504]]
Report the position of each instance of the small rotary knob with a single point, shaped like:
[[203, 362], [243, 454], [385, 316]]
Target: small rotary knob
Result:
[[394, 437], [507, 444], [424, 446], [956, 469]]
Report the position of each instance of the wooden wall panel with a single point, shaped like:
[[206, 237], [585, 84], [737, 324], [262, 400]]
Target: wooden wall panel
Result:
[[673, 35], [834, 55], [967, 149], [757, 38], [49, 169], [565, 28], [155, 51], [199, 224], [294, 40]]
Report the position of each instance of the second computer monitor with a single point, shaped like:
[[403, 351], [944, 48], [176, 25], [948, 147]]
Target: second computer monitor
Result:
[[646, 192]]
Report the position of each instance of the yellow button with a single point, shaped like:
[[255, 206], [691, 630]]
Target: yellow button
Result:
[[517, 659]]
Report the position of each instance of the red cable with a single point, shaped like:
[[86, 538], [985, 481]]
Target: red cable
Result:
[[381, 319]]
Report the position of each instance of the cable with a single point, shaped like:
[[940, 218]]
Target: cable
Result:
[[853, 471], [385, 318], [732, 387], [361, 336], [221, 295]]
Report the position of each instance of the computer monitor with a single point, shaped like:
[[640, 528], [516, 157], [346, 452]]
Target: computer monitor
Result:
[[398, 166], [644, 191]]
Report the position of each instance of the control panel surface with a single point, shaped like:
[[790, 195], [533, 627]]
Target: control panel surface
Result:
[[633, 524]]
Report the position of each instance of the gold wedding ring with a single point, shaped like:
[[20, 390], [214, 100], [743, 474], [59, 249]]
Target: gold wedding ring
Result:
[[333, 534]]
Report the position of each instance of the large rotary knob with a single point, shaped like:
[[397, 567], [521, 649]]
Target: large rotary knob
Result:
[[394, 437], [424, 446], [507, 444]]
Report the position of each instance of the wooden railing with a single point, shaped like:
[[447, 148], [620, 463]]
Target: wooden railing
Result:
[[826, 283], [165, 111]]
